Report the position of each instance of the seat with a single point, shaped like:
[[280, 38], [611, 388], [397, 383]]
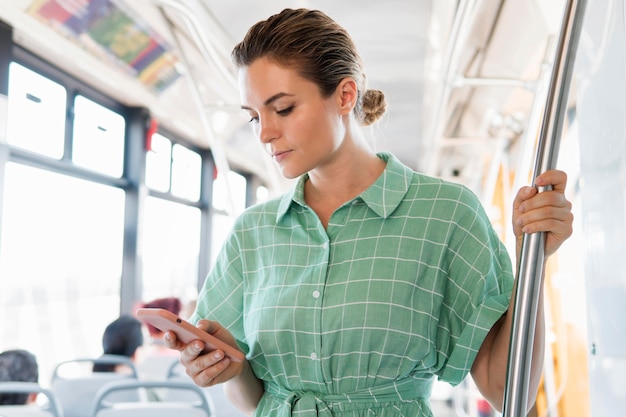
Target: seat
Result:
[[155, 367], [75, 385], [49, 407], [219, 403], [176, 370], [195, 404]]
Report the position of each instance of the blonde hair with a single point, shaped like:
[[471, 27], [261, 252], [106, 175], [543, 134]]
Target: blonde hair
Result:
[[318, 48]]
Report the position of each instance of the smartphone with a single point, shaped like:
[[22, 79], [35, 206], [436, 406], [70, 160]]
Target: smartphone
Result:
[[187, 332]]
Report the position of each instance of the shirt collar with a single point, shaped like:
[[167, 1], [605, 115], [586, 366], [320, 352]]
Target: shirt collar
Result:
[[383, 196]]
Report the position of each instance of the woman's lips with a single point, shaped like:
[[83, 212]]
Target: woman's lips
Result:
[[281, 155]]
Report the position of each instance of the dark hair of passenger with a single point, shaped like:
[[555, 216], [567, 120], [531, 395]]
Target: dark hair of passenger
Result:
[[17, 365], [172, 304], [318, 48], [121, 337]]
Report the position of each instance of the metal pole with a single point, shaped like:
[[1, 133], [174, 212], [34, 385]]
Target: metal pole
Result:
[[532, 255]]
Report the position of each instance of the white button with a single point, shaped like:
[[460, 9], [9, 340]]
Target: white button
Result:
[[314, 356], [325, 245], [316, 294]]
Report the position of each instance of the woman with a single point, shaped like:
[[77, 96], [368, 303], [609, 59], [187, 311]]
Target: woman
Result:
[[351, 292]]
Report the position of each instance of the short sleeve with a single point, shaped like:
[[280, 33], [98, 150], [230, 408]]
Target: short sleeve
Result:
[[477, 292]]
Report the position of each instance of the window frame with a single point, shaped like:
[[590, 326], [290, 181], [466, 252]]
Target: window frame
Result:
[[132, 180]]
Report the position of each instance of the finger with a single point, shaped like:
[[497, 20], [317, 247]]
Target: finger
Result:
[[212, 374], [172, 342], [529, 213], [556, 178], [547, 219], [204, 325], [208, 326], [191, 359], [206, 368], [552, 198], [189, 355], [523, 194], [555, 238]]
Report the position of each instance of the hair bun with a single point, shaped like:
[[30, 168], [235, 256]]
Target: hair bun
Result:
[[374, 106]]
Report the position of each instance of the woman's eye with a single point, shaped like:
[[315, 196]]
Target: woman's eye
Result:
[[253, 119], [286, 111]]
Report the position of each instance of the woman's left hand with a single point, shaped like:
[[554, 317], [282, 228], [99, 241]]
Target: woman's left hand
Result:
[[548, 211]]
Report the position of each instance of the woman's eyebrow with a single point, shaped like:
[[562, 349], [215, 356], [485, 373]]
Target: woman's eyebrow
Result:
[[270, 100]]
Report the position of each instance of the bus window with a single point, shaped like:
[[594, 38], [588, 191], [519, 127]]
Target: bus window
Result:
[[36, 112], [235, 185], [98, 138], [186, 173], [158, 163], [60, 263], [170, 249], [220, 226]]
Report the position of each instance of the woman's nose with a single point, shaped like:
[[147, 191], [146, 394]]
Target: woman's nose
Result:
[[266, 130]]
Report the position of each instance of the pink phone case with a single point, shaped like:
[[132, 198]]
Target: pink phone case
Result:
[[185, 331]]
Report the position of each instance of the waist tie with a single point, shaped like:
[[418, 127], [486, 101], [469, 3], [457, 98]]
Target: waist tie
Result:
[[310, 404]]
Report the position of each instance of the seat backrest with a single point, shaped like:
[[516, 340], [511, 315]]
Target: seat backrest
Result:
[[48, 408], [156, 367], [196, 406], [176, 370], [220, 405], [77, 391], [84, 366], [152, 409]]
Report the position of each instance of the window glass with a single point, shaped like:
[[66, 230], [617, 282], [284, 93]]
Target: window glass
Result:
[[158, 163], [186, 173], [262, 194], [170, 245], [98, 138], [36, 112], [60, 263], [221, 226], [234, 189]]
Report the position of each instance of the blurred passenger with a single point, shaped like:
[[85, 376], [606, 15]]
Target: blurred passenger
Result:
[[18, 365], [172, 304], [123, 336], [156, 358]]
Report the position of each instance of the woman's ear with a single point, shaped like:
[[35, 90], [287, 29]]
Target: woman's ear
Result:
[[347, 95]]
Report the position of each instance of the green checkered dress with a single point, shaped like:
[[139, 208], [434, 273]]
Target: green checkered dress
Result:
[[357, 319]]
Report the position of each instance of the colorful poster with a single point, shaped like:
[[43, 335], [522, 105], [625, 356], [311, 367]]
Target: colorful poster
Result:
[[108, 30]]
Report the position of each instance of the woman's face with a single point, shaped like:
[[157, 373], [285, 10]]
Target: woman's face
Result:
[[299, 128]]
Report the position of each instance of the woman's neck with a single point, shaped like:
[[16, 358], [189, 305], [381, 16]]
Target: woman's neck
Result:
[[348, 176]]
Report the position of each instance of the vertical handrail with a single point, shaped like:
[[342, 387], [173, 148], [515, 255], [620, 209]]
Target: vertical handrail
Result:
[[532, 254]]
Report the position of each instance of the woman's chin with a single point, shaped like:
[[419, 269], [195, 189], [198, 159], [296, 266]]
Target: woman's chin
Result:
[[289, 173]]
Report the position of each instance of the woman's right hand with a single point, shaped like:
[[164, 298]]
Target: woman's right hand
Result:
[[206, 369]]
